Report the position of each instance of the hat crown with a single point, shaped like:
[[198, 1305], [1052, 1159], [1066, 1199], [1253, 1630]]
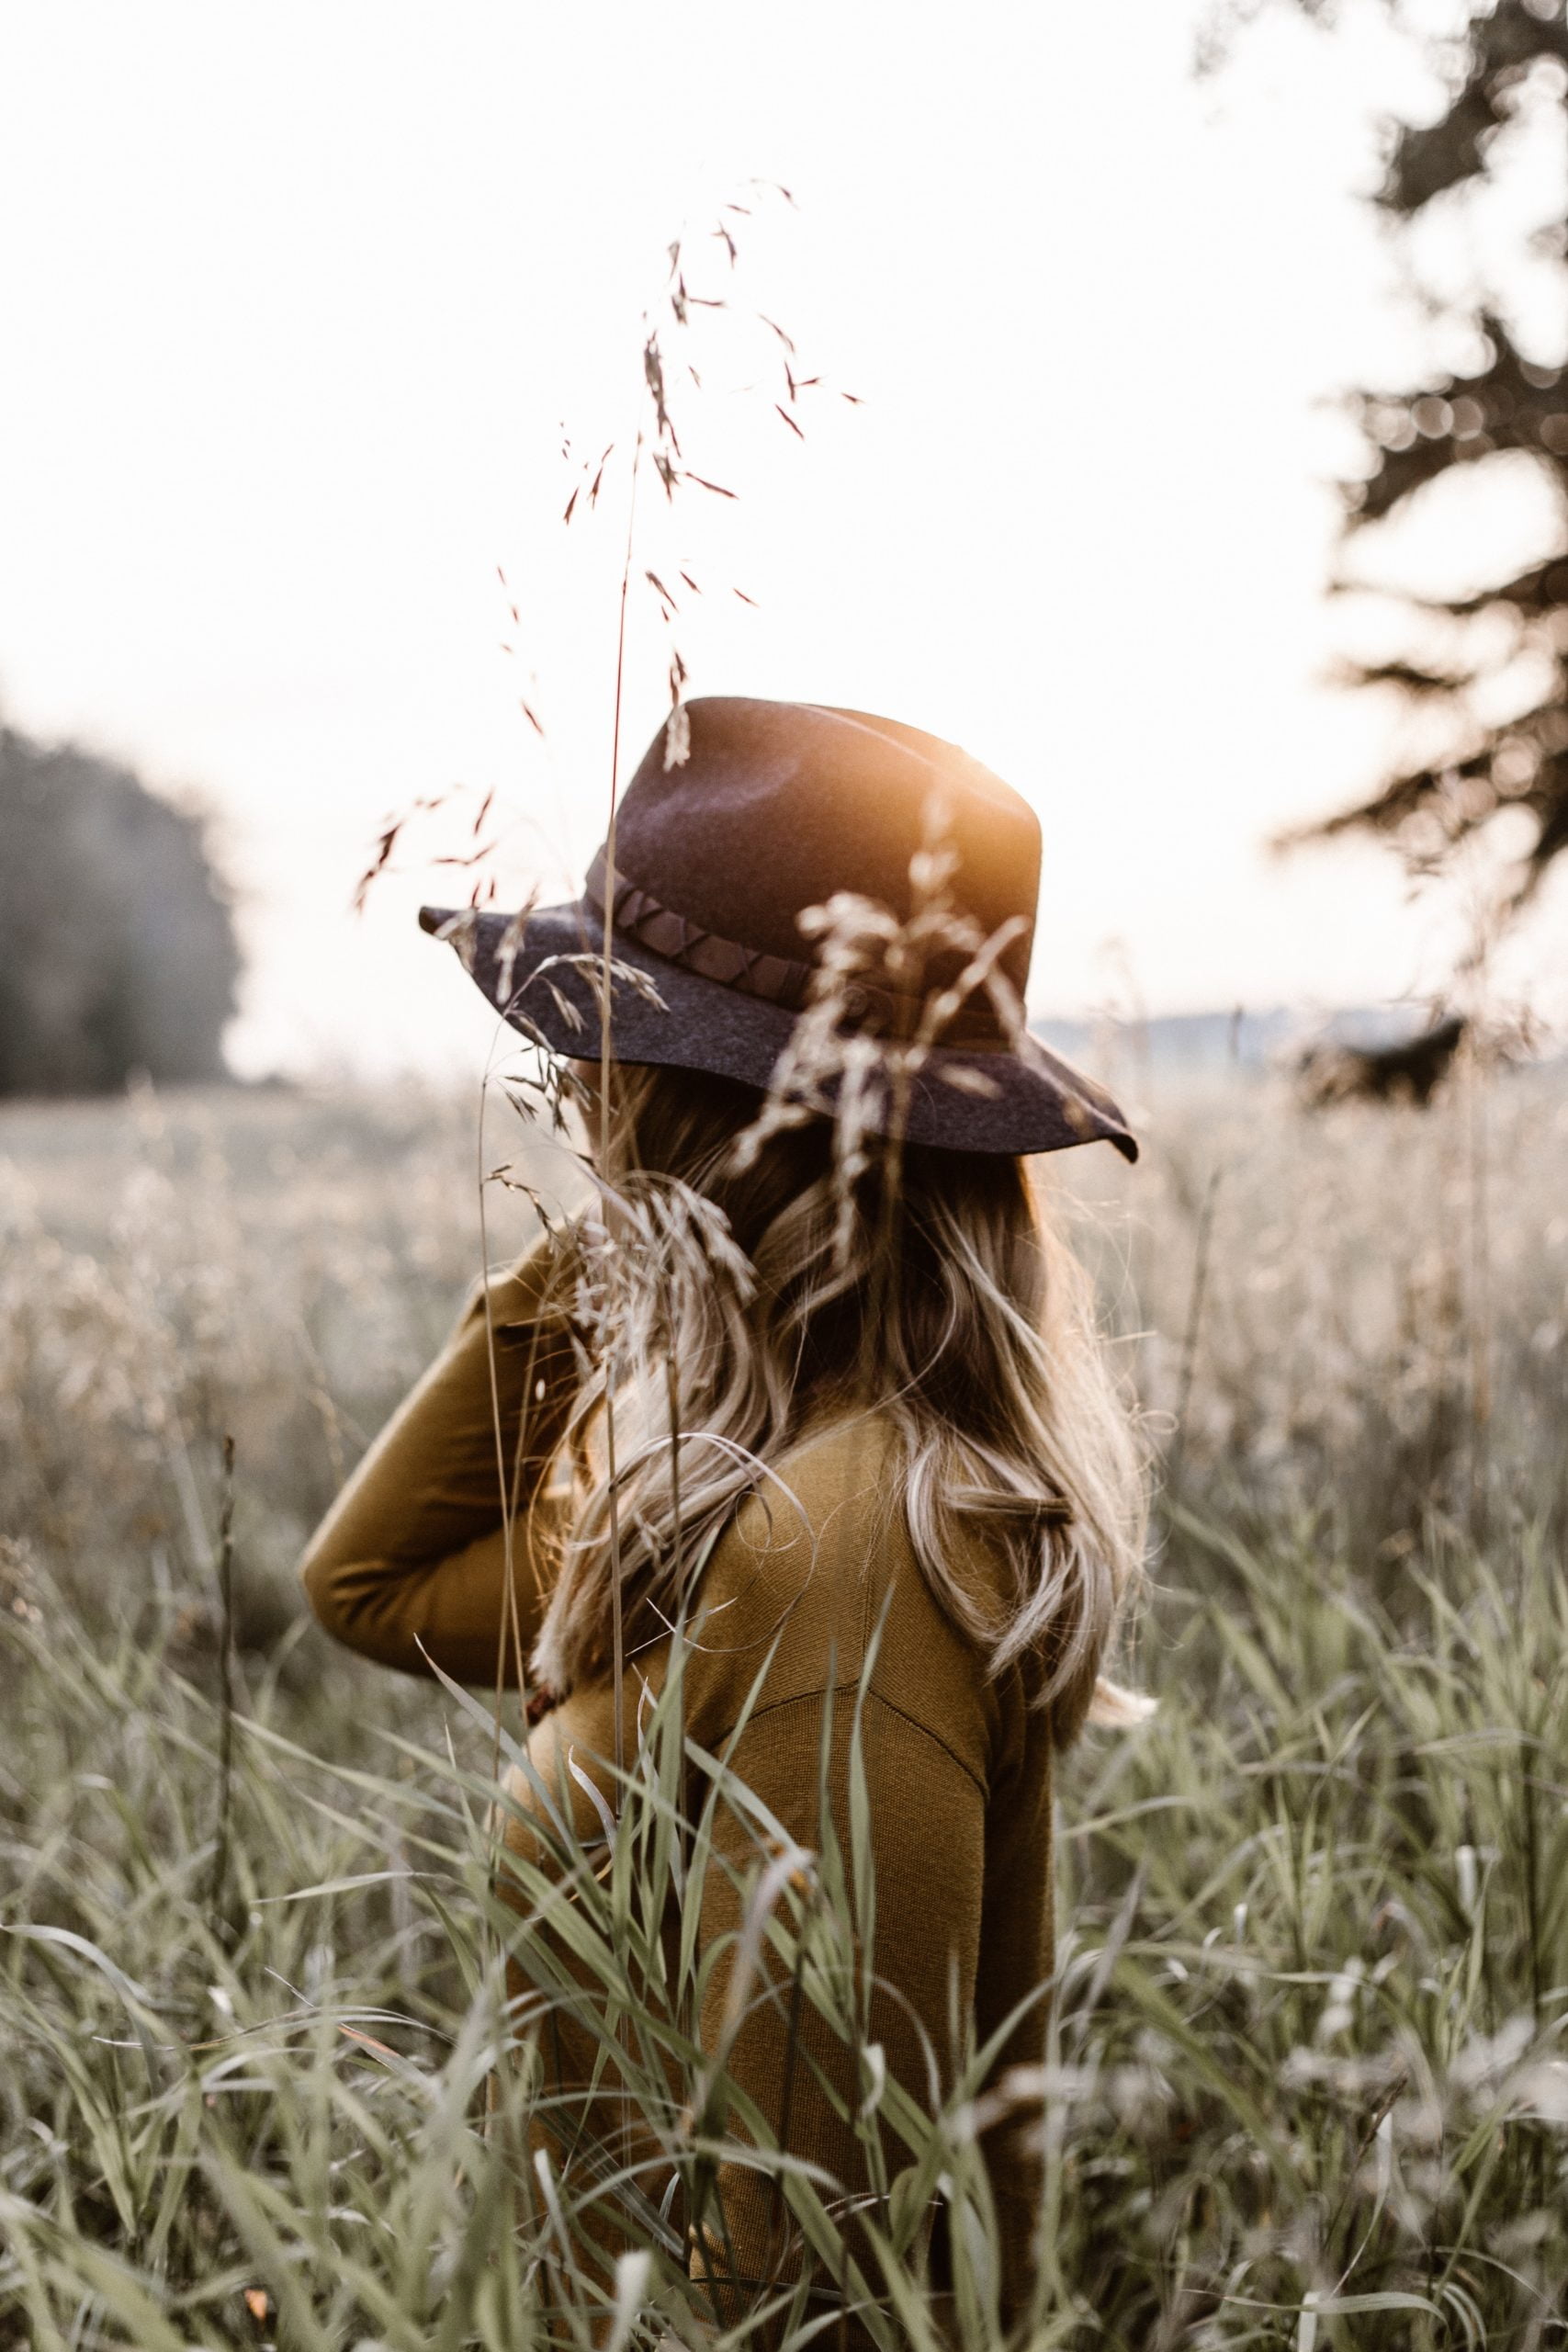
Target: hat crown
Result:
[[778, 805]]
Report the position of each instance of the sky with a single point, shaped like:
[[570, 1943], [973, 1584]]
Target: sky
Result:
[[300, 303]]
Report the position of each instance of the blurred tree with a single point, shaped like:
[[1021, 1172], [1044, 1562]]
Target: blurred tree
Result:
[[117, 943], [1488, 671]]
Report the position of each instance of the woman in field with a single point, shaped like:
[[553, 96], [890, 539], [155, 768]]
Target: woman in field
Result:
[[903, 1469]]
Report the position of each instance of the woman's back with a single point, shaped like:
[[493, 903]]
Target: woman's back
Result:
[[817, 1654]]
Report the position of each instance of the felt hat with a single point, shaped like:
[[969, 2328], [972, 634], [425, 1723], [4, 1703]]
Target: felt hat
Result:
[[744, 816]]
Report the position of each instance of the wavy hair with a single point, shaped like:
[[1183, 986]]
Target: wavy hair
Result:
[[772, 1302]]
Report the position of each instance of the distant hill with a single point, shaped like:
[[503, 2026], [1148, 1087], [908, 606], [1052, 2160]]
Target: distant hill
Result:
[[1215, 1041]]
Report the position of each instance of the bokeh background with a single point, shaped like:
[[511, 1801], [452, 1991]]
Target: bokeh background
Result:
[[302, 305]]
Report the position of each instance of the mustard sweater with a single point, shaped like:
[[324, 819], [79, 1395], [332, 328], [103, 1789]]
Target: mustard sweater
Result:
[[410, 1563]]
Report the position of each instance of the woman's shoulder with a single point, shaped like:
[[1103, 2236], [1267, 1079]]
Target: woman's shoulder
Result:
[[818, 1518], [815, 1581]]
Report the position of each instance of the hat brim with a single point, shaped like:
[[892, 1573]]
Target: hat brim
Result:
[[538, 971]]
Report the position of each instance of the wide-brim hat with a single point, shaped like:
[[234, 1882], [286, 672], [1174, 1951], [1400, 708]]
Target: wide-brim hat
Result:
[[743, 817]]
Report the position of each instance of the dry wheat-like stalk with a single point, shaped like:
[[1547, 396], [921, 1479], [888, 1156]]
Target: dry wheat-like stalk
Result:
[[834, 1067]]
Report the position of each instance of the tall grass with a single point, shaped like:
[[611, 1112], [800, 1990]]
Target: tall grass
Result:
[[1306, 2085]]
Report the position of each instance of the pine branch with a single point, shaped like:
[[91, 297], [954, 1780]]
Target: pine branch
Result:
[[1533, 595], [1428, 159], [1511, 403]]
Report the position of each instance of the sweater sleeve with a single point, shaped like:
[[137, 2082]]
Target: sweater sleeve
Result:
[[411, 1563]]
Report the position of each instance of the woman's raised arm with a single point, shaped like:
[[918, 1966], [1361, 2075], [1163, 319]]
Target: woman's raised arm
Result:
[[410, 1564]]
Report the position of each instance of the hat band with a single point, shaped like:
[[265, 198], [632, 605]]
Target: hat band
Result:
[[778, 979]]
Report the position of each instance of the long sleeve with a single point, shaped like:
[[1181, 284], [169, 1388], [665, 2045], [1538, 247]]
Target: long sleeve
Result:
[[410, 1564]]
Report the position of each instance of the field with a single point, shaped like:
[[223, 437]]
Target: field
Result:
[[1309, 2086]]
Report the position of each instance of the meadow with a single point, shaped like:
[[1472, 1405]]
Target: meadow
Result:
[[1308, 2086]]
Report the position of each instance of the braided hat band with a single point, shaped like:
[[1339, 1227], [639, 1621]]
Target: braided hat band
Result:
[[778, 979]]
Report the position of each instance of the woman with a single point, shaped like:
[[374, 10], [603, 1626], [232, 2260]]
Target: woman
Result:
[[902, 1467]]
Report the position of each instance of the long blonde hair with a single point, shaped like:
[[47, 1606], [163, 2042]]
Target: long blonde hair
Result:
[[770, 1303]]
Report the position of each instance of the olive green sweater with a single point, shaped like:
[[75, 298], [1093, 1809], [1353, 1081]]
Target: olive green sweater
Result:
[[410, 1563]]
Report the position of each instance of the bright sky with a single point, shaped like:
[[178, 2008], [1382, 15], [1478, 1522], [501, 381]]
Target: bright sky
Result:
[[296, 299]]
